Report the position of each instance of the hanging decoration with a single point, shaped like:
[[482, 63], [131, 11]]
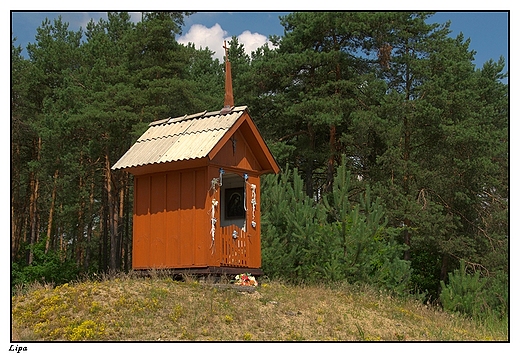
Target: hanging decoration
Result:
[[214, 204], [221, 172], [245, 192], [215, 184], [253, 200], [253, 205]]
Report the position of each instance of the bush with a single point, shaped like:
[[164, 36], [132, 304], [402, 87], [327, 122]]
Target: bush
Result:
[[370, 251], [45, 267], [474, 295], [308, 241], [291, 229]]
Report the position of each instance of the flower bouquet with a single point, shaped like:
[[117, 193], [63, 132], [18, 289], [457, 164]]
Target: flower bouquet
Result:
[[245, 279]]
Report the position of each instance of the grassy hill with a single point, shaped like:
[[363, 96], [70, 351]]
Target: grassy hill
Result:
[[158, 308]]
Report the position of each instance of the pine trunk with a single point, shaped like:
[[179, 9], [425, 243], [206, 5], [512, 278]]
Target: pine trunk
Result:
[[16, 217], [330, 163], [88, 250], [309, 181], [444, 270], [127, 239], [51, 212], [33, 202], [113, 217], [62, 245], [120, 222], [16, 234], [81, 225]]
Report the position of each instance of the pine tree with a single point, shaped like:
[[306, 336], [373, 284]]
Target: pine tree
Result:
[[314, 80]]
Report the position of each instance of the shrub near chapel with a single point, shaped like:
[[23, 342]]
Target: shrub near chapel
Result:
[[333, 239]]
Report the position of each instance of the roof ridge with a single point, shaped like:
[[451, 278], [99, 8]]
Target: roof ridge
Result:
[[204, 114], [177, 119], [156, 138]]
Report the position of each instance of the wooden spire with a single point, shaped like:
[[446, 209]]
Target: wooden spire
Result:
[[228, 97]]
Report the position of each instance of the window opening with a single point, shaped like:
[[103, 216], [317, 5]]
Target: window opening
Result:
[[232, 201]]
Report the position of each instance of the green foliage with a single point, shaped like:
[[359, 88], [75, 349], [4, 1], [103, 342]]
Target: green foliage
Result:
[[426, 267], [497, 297], [46, 267], [292, 228], [308, 241], [475, 295], [368, 247]]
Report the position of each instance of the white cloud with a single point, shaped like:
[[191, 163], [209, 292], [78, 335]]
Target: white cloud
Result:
[[202, 37], [214, 37], [253, 41]]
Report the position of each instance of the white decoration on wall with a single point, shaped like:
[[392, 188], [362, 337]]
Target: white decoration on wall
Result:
[[214, 204], [215, 182], [253, 203]]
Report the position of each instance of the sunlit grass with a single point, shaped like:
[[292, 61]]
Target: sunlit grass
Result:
[[159, 308]]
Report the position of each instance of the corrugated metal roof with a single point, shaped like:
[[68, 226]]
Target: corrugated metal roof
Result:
[[181, 138]]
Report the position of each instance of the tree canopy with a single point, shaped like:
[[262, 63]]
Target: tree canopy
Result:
[[383, 99]]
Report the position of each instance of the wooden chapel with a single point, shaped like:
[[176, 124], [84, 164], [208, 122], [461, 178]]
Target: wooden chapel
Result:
[[197, 191]]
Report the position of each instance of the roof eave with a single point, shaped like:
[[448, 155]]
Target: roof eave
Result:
[[166, 166]]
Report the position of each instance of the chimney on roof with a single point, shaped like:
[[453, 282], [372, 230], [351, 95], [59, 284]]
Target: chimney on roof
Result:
[[228, 97]]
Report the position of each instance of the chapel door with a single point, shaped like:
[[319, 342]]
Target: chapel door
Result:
[[234, 247], [233, 211]]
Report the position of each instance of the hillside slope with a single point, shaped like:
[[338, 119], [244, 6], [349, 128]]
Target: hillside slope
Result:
[[158, 308]]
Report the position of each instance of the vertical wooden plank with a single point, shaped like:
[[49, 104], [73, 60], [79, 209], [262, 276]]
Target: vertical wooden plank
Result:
[[201, 226], [167, 227], [258, 223], [141, 223], [255, 245], [186, 218], [136, 226], [174, 219], [223, 247], [157, 219]]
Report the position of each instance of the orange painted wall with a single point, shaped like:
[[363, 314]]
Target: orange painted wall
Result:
[[240, 157], [171, 226], [172, 220]]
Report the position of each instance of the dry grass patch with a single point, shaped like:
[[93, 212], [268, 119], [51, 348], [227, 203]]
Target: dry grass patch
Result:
[[158, 308]]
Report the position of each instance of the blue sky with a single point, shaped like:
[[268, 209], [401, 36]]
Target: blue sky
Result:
[[488, 31]]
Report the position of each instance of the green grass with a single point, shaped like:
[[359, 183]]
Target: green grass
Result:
[[161, 309]]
